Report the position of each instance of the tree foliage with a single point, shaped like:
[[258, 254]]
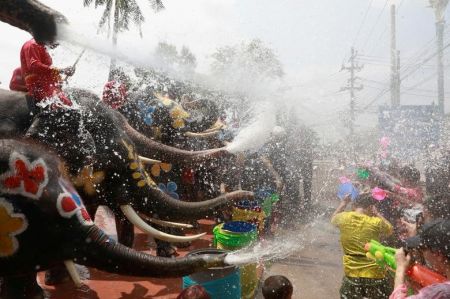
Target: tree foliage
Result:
[[252, 59], [172, 60], [124, 12]]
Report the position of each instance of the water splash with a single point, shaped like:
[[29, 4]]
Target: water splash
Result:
[[256, 133], [280, 247]]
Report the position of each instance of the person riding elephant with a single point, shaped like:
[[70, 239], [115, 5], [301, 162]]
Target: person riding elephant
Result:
[[43, 222]]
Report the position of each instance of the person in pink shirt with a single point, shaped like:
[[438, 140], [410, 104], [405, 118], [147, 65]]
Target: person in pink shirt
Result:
[[433, 242]]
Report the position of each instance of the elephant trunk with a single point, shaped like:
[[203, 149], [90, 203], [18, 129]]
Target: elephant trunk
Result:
[[107, 255], [148, 147], [32, 16], [169, 208]]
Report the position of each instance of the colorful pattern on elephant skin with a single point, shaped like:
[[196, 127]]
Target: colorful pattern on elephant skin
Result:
[[169, 189], [179, 116], [156, 168], [11, 225], [25, 178], [146, 112], [88, 179], [69, 203], [138, 169]]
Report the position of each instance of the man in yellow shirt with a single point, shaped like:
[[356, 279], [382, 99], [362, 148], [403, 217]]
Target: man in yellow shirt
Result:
[[363, 277]]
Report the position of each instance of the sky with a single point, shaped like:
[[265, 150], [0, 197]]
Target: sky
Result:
[[312, 39]]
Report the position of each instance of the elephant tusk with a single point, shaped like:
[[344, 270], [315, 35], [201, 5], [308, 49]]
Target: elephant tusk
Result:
[[134, 218], [166, 223], [203, 134], [70, 266], [148, 160]]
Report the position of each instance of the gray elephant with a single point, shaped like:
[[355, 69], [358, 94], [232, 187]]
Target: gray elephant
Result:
[[43, 221]]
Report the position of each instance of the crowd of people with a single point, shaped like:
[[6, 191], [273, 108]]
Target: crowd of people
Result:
[[391, 207]]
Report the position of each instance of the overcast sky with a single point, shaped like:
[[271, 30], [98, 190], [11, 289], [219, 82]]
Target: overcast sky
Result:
[[311, 38]]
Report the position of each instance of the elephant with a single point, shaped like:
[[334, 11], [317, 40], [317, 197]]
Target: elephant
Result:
[[115, 175], [43, 221], [32, 16]]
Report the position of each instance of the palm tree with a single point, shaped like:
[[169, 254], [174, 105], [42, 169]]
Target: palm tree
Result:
[[123, 11]]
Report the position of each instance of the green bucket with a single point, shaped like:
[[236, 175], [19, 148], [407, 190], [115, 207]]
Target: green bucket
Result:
[[235, 235]]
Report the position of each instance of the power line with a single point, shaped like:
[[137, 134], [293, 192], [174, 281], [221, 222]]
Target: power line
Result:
[[362, 23], [374, 25]]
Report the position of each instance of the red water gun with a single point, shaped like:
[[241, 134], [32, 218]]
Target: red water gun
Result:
[[424, 276]]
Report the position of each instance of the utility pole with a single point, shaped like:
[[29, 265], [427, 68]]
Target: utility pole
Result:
[[439, 7], [395, 63], [351, 86]]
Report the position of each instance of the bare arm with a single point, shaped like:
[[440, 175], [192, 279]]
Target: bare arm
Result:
[[341, 206], [402, 259]]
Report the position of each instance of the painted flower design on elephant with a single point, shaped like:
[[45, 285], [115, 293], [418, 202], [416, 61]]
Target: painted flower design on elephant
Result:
[[156, 168], [69, 204], [11, 225], [89, 179], [24, 177], [137, 167], [146, 112], [169, 189], [166, 101], [179, 117]]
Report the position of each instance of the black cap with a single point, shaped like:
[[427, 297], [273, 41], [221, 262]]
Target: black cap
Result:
[[433, 235]]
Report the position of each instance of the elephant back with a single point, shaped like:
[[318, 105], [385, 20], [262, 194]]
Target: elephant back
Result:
[[15, 115]]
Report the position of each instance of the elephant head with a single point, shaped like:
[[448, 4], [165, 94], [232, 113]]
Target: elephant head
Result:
[[173, 123], [43, 220], [32, 16]]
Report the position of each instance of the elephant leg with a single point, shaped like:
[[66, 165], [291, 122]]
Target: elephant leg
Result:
[[125, 231], [179, 232], [163, 248], [57, 275], [21, 287]]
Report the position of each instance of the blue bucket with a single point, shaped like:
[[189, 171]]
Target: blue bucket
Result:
[[219, 282], [239, 226]]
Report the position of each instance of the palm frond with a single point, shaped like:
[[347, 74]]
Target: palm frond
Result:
[[157, 5], [106, 17], [87, 2]]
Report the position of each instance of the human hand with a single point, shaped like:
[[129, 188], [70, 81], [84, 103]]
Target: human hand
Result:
[[402, 259], [347, 198], [68, 71]]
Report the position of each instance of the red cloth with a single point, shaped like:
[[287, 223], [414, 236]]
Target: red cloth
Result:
[[41, 79], [114, 94], [17, 82]]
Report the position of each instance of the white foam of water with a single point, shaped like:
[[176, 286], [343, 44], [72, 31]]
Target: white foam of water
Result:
[[280, 247], [253, 136]]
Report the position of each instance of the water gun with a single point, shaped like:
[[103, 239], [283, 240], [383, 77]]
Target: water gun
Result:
[[391, 183], [417, 273], [383, 255], [424, 276]]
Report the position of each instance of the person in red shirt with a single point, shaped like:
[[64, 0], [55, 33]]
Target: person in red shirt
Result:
[[114, 94], [41, 78], [17, 82]]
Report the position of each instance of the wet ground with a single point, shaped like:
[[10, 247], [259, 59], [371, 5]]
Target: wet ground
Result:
[[315, 270]]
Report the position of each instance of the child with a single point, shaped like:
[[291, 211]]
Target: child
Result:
[[433, 242], [277, 287], [363, 277]]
